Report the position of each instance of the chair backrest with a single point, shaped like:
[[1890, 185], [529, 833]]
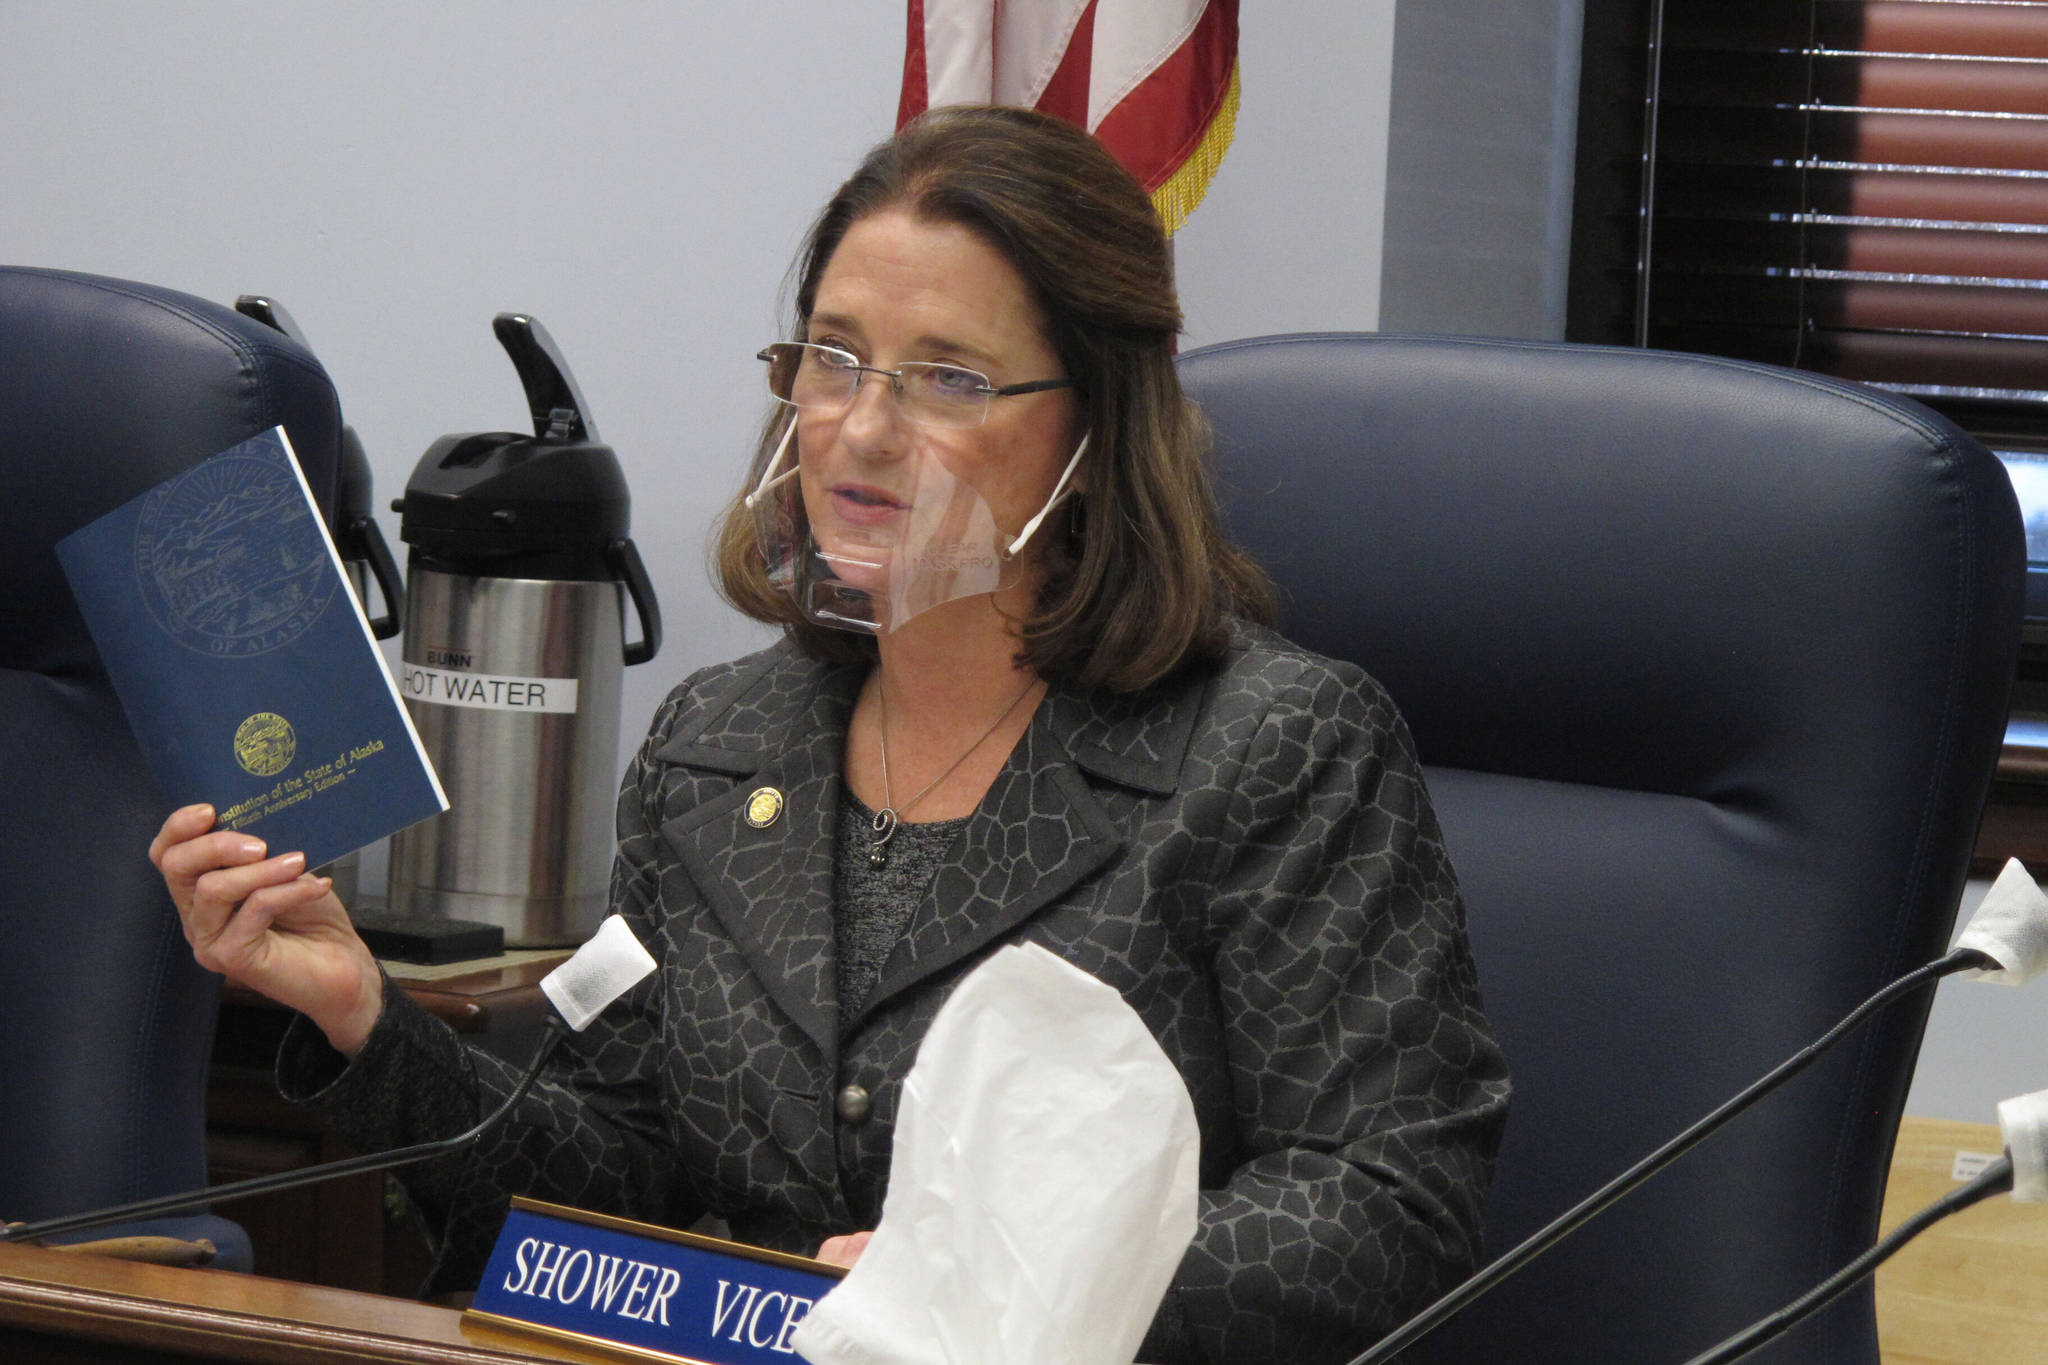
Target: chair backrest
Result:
[[106, 1023], [1707, 662]]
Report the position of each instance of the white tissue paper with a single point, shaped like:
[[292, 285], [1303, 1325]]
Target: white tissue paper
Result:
[[2011, 927], [609, 962], [2024, 1124], [1042, 1187]]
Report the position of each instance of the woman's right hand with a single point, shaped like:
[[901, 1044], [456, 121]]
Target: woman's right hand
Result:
[[267, 924]]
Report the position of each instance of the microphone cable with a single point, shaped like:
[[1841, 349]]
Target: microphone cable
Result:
[[2022, 1170], [553, 1033], [1434, 1316], [1993, 1179]]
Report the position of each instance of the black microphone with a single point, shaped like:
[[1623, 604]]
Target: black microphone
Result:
[[2006, 941], [599, 972], [2023, 1170]]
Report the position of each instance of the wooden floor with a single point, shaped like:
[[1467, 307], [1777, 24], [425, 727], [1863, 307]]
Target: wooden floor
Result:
[[1972, 1289]]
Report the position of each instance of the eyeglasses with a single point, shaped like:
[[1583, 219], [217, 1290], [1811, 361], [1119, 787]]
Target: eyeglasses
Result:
[[826, 378]]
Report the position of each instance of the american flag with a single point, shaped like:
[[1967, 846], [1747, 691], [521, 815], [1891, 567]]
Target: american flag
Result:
[[1155, 80]]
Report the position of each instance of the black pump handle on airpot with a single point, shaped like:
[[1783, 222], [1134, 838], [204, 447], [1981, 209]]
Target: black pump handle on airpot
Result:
[[559, 412]]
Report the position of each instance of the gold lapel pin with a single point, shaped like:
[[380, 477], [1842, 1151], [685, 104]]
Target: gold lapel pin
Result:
[[764, 807]]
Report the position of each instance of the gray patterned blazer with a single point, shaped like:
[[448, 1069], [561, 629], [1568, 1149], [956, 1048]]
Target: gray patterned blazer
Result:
[[1249, 857]]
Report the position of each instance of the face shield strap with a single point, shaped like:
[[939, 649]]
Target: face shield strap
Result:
[[1060, 492], [770, 480]]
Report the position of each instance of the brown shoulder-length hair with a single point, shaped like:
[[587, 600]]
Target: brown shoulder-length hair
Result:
[[1140, 582]]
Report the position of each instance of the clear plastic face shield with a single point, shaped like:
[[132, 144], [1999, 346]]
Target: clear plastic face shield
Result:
[[877, 554]]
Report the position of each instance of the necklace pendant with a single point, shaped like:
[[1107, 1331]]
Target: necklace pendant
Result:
[[884, 826]]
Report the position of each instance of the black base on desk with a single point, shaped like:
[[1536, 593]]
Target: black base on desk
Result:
[[426, 939]]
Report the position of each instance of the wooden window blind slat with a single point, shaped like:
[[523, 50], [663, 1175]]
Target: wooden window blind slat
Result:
[[1766, 79], [1705, 135], [1924, 26], [2013, 259], [1971, 30], [1782, 305], [1751, 193]]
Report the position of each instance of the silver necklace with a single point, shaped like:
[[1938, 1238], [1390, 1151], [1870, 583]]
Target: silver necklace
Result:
[[888, 817]]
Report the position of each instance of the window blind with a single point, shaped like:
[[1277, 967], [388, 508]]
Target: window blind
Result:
[[1857, 187]]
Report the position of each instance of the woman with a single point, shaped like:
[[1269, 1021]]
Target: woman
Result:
[[1021, 697]]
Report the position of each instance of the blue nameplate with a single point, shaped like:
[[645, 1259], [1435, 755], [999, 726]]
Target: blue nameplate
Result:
[[645, 1292]]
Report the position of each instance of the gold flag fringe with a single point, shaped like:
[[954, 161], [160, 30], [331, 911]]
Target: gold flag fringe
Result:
[[1183, 190]]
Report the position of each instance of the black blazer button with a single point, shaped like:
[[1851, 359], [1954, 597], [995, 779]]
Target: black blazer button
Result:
[[854, 1105]]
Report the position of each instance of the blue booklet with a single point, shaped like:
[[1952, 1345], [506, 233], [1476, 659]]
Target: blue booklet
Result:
[[243, 660]]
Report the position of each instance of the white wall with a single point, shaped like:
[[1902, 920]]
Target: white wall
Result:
[[636, 174], [1480, 167], [1289, 238], [1985, 1043]]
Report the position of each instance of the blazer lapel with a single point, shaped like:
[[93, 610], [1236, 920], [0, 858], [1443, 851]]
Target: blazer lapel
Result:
[[771, 886]]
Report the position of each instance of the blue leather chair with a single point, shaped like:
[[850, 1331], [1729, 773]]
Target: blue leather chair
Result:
[[106, 1024], [1708, 664]]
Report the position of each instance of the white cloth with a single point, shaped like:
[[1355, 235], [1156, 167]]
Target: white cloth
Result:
[[2024, 1122], [601, 971], [2011, 927], [1042, 1188]]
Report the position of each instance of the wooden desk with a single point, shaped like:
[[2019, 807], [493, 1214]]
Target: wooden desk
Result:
[[1972, 1289], [57, 1307], [359, 1232]]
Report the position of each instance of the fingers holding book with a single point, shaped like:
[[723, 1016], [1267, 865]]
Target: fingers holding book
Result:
[[265, 922]]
